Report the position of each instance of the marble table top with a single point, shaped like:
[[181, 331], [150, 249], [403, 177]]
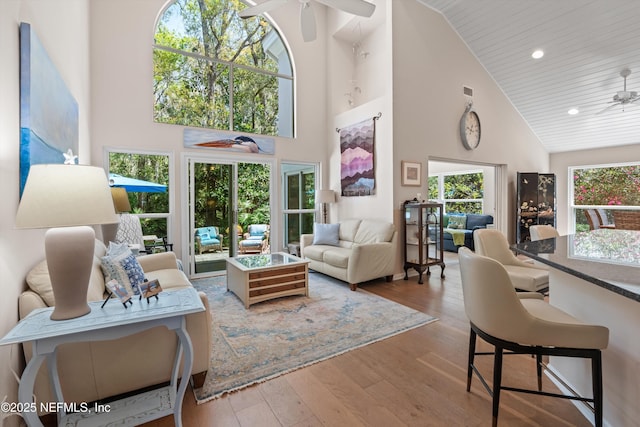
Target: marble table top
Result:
[[608, 258]]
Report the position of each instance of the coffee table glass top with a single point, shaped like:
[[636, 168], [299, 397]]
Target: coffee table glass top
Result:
[[267, 260]]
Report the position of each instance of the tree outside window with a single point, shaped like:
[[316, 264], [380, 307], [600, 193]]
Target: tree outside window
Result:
[[213, 69], [461, 192], [605, 187]]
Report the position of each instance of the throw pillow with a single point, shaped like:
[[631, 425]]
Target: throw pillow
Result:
[[458, 222], [326, 234], [122, 266], [205, 236]]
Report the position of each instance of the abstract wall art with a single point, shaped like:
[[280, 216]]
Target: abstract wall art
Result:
[[357, 162], [48, 111]]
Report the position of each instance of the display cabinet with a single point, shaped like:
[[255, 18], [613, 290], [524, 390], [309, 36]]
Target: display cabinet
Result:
[[423, 238], [536, 202]]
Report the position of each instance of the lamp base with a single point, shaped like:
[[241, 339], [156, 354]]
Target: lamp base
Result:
[[69, 253]]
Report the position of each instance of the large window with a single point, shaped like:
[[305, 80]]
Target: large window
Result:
[[460, 191], [213, 69], [299, 200], [603, 187], [150, 206]]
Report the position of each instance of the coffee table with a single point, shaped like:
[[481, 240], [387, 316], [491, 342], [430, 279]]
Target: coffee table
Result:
[[257, 278]]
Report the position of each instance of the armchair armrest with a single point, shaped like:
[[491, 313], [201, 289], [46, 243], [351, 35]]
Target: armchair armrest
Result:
[[159, 261]]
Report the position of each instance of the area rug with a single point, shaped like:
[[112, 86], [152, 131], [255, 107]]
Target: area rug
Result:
[[272, 338]]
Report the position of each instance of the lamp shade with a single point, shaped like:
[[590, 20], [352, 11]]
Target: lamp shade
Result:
[[120, 199], [59, 195], [325, 196]]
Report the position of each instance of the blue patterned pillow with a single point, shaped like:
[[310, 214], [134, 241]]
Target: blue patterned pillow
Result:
[[120, 264]]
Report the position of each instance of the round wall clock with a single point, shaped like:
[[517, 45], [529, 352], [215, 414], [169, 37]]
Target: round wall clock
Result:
[[470, 128]]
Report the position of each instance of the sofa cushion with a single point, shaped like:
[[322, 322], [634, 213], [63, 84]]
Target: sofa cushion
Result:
[[169, 278], [326, 234], [337, 257], [371, 231], [316, 252], [457, 222], [348, 229], [120, 264]]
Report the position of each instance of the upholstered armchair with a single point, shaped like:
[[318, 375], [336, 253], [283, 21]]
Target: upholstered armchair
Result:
[[524, 276], [208, 238], [255, 238]]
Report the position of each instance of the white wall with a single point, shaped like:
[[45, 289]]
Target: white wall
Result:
[[62, 27], [431, 66], [122, 91], [560, 163]]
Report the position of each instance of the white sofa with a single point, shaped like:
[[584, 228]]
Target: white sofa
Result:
[[366, 250], [90, 371]]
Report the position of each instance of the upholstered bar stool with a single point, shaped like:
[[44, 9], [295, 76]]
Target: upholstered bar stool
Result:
[[542, 232], [523, 323], [525, 276]]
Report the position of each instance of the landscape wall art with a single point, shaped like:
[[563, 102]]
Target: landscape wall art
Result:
[[48, 111], [357, 169]]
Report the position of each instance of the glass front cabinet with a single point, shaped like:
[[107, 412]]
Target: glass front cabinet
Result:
[[423, 239]]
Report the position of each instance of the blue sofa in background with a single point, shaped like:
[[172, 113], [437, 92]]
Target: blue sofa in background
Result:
[[470, 223]]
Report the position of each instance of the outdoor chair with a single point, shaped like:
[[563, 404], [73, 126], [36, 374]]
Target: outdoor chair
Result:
[[592, 218], [524, 276], [208, 238], [627, 220], [255, 239], [604, 219], [523, 323]]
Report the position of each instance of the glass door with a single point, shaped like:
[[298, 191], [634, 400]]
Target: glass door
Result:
[[227, 198]]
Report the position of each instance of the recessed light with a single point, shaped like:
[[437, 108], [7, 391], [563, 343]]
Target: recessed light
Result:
[[573, 111], [537, 54]]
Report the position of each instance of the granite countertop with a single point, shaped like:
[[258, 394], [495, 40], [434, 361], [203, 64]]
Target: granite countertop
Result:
[[608, 258]]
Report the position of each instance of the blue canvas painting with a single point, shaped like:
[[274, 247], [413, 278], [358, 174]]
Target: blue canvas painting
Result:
[[196, 138], [48, 111]]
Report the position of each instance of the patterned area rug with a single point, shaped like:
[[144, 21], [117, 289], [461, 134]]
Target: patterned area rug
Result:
[[274, 337]]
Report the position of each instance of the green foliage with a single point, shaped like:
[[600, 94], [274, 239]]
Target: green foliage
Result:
[[433, 187], [154, 168], [614, 186], [464, 186], [200, 45]]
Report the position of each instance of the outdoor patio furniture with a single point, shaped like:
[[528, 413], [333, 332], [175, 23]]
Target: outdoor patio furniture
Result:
[[255, 239], [208, 238], [627, 220]]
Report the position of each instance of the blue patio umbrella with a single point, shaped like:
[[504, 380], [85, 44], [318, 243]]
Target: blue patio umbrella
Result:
[[135, 185]]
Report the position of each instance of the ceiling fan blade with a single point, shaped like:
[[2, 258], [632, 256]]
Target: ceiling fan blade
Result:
[[307, 22], [355, 7], [261, 8], [609, 108]]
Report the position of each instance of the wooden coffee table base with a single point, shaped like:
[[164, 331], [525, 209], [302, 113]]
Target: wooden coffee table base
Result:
[[257, 284]]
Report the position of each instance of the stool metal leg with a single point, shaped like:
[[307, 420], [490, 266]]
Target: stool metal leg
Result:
[[472, 353], [497, 383], [596, 374]]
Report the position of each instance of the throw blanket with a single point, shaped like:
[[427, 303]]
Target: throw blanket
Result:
[[458, 236]]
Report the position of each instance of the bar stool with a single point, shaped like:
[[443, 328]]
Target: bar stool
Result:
[[542, 232], [523, 323]]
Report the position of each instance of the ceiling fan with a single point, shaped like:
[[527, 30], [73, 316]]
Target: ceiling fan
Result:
[[623, 97], [307, 16]]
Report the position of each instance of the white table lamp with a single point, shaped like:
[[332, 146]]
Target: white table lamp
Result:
[[325, 197], [66, 199]]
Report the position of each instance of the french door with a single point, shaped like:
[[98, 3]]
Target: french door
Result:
[[225, 197]]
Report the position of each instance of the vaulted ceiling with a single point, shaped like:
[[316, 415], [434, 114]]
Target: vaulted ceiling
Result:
[[586, 44]]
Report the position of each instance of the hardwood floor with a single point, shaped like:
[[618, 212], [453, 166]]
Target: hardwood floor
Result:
[[417, 378]]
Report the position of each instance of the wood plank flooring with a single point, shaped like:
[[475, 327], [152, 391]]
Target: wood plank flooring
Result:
[[417, 378]]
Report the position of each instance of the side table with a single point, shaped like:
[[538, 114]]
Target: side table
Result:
[[107, 323]]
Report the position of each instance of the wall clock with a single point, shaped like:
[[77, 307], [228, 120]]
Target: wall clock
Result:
[[470, 128]]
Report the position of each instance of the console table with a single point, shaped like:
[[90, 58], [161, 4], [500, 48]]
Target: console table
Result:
[[110, 322]]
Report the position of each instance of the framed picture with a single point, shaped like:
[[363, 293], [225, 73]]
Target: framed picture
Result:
[[411, 173]]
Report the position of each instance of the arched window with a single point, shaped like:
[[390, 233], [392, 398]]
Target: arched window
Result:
[[213, 69]]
